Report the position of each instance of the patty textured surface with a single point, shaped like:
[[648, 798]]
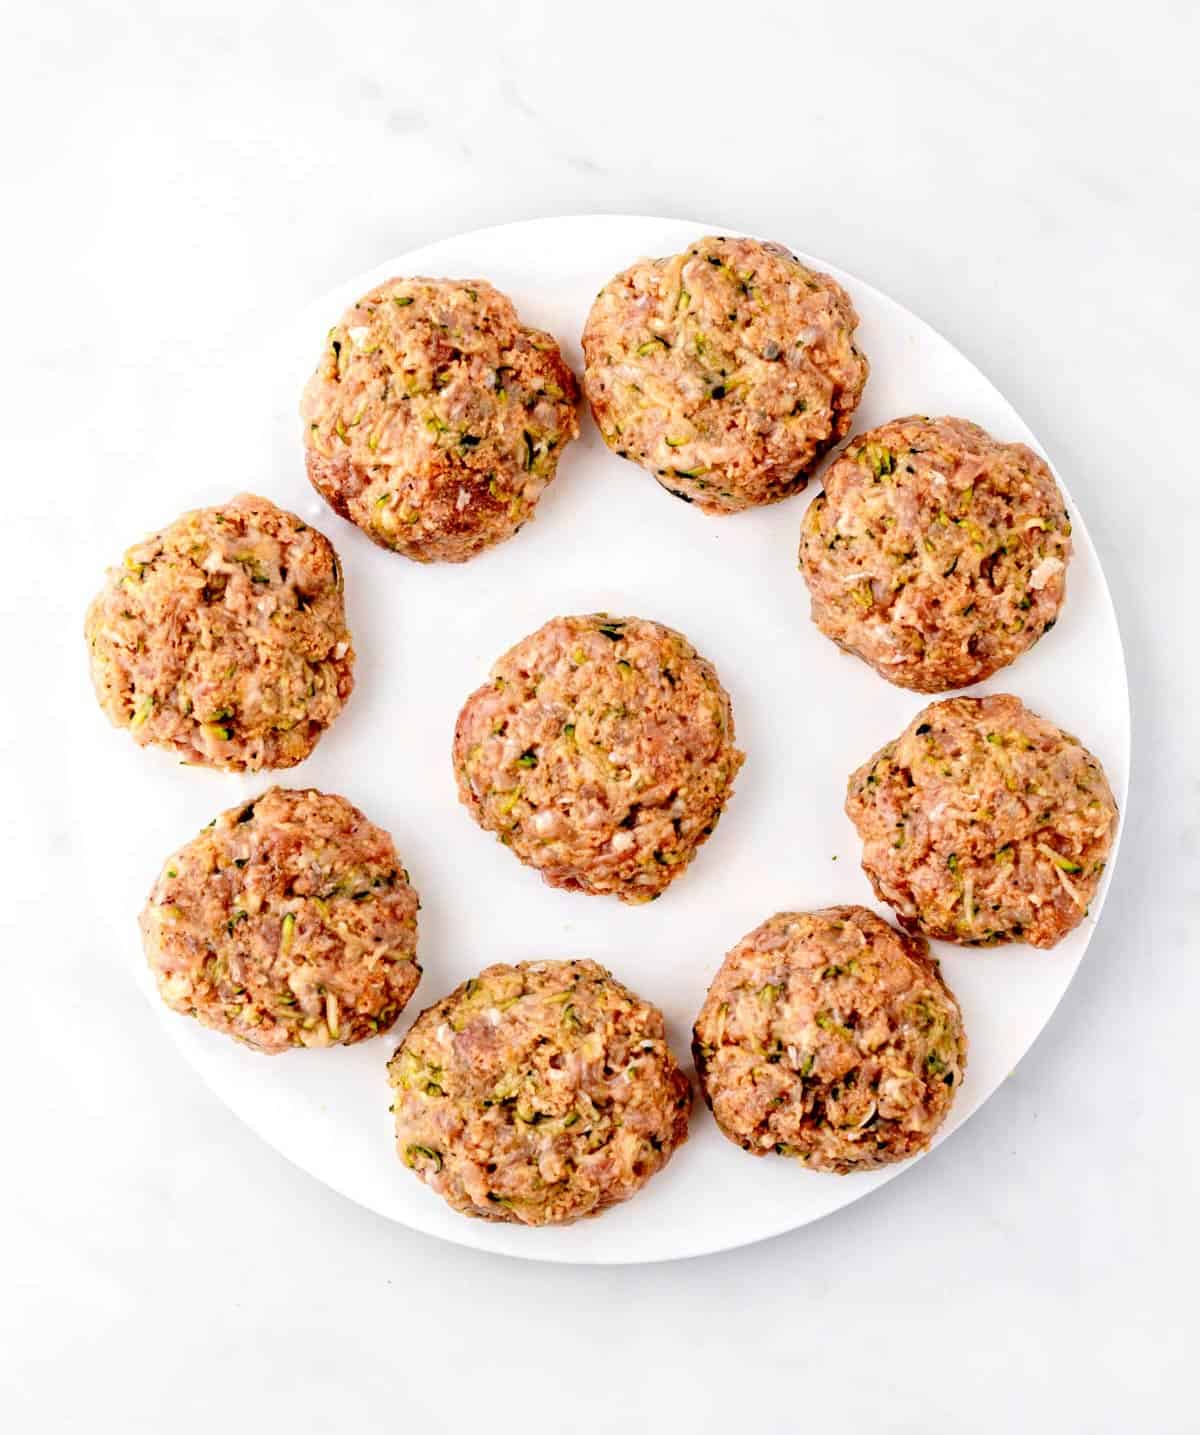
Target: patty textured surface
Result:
[[936, 553], [224, 638], [436, 418], [538, 1093], [831, 1038], [601, 752], [725, 371], [288, 921], [984, 823]]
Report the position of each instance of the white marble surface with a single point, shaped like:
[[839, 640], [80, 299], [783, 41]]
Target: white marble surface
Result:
[[177, 178]]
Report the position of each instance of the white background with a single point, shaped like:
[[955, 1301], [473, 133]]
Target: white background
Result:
[[1022, 176]]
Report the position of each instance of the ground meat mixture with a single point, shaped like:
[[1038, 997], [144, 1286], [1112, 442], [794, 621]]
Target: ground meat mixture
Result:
[[725, 371], [601, 752], [984, 823], [289, 921], [224, 638], [831, 1038], [436, 418], [936, 553], [538, 1093]]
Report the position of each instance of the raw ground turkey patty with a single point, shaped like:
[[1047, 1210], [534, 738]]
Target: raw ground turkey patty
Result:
[[538, 1093], [831, 1038], [936, 553], [224, 637], [984, 823], [725, 371], [289, 921], [436, 418], [601, 752]]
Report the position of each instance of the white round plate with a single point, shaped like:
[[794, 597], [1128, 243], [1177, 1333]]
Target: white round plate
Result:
[[605, 537]]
